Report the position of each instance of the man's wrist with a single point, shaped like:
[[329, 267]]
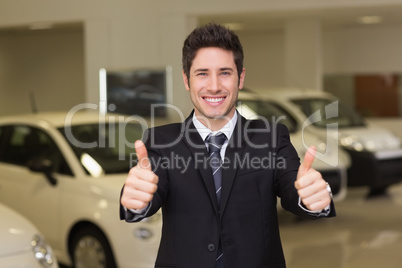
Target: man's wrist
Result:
[[136, 214], [318, 213], [329, 190], [138, 210]]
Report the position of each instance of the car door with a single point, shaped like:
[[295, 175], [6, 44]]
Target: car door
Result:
[[27, 191]]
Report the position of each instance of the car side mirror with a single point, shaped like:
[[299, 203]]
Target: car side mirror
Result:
[[45, 166]]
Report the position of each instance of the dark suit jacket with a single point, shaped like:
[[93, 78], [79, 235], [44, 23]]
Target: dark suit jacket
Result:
[[260, 165]]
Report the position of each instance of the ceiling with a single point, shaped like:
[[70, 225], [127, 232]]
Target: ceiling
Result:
[[269, 20], [330, 18]]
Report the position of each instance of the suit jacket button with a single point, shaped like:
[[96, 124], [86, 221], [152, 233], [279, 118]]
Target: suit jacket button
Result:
[[211, 247]]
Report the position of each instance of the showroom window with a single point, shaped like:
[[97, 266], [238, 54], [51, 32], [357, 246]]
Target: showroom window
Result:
[[28, 143], [270, 111]]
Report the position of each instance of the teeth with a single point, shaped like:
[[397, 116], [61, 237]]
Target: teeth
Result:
[[214, 99]]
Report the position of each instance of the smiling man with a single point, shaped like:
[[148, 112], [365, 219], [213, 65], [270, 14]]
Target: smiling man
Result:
[[215, 84], [217, 212]]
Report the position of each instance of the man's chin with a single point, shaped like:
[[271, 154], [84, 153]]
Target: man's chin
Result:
[[215, 115]]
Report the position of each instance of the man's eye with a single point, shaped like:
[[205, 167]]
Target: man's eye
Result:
[[225, 73], [201, 74]]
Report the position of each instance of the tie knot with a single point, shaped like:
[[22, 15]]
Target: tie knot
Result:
[[215, 142]]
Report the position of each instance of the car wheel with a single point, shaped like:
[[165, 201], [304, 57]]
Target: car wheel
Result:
[[90, 249]]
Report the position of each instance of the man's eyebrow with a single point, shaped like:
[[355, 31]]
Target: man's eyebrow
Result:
[[220, 69], [226, 69], [201, 70]]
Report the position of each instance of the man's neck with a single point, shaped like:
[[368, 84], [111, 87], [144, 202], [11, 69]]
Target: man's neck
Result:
[[227, 129], [214, 124]]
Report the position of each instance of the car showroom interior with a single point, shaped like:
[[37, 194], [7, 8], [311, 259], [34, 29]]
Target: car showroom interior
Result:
[[82, 81]]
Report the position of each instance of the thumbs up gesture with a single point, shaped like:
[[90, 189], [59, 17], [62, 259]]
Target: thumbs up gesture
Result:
[[310, 185], [141, 182]]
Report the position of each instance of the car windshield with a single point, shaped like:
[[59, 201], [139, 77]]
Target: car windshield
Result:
[[104, 148], [254, 109], [329, 112]]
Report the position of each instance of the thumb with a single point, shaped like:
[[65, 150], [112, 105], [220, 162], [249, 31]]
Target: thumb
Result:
[[308, 161], [142, 155]]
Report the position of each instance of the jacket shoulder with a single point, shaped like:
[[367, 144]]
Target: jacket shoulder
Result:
[[166, 129], [265, 124], [163, 134]]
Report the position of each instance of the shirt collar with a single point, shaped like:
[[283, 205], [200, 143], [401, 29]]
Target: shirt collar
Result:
[[227, 129]]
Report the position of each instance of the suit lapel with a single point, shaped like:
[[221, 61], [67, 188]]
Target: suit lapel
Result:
[[233, 153], [200, 154]]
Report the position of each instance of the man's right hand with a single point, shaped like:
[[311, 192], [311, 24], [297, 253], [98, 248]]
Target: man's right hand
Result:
[[141, 182]]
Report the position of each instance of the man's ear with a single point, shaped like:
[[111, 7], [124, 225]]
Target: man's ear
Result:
[[186, 81], [241, 79]]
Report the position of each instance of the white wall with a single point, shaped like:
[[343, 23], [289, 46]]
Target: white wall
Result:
[[132, 34], [369, 49], [354, 50], [263, 59], [48, 64]]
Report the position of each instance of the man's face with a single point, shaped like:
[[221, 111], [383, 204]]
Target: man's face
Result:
[[214, 83]]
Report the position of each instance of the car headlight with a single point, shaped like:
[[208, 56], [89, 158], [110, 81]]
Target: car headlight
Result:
[[321, 147], [352, 142], [42, 251]]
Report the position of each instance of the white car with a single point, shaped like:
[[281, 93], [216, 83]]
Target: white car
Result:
[[331, 162], [375, 152], [21, 244], [64, 172]]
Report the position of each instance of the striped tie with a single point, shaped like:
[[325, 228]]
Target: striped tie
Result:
[[215, 144]]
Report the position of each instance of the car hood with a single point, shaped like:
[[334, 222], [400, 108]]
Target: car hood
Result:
[[374, 138], [16, 232]]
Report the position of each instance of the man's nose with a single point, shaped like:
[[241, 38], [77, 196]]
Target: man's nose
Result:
[[213, 83]]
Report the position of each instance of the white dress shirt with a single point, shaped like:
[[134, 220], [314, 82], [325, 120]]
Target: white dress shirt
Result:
[[227, 130]]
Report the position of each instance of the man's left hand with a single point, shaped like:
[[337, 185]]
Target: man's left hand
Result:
[[310, 185]]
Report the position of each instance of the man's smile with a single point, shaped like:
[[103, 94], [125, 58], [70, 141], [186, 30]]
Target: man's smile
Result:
[[214, 99]]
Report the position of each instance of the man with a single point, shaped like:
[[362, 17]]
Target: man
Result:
[[218, 198]]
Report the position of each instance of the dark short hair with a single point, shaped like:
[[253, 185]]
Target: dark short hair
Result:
[[211, 35]]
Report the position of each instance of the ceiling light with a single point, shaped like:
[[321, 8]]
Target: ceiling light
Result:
[[370, 19], [41, 26]]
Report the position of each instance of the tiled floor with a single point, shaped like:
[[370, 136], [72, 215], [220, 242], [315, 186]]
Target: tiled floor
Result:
[[367, 233]]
